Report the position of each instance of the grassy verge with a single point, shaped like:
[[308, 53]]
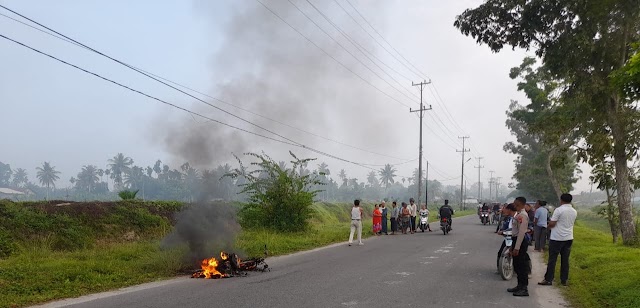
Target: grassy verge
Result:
[[92, 254], [602, 274], [39, 274]]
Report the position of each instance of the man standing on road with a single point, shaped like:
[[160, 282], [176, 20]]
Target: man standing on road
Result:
[[519, 249], [561, 225], [540, 225], [383, 209], [413, 208], [395, 215], [356, 222]]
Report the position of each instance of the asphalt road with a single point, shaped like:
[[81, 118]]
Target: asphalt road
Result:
[[420, 270]]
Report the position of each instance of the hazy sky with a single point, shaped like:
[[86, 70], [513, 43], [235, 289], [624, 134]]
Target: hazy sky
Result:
[[239, 52]]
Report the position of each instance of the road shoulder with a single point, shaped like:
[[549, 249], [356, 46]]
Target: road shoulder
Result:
[[547, 296]]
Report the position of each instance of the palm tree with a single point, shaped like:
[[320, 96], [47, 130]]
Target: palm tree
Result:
[[20, 177], [133, 178], [157, 167], [119, 166], [343, 175], [387, 174], [372, 179], [88, 178], [48, 175], [100, 174]]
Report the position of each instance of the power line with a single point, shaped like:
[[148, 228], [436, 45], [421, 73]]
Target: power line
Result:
[[419, 74], [145, 74], [330, 56], [359, 47], [295, 144], [374, 39], [142, 93], [63, 38]]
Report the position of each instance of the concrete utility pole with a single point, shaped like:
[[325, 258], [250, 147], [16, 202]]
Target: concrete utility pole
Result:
[[421, 115], [491, 183], [462, 174], [497, 186], [479, 182]]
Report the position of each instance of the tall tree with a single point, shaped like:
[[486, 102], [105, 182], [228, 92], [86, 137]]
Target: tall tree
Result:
[[119, 166], [5, 174], [387, 175], [372, 179], [48, 175], [157, 168], [541, 173], [585, 45], [87, 178], [20, 178]]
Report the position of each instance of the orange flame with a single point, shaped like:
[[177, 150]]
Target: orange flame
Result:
[[209, 268]]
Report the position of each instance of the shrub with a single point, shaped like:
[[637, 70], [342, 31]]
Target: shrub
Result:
[[279, 198], [7, 244], [128, 194]]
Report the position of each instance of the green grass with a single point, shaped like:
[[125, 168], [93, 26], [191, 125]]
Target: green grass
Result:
[[39, 274], [602, 274]]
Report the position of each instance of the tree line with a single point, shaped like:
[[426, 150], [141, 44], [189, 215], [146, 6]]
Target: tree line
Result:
[[187, 183]]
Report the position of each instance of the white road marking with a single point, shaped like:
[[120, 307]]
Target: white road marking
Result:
[[393, 282], [351, 303], [404, 274]]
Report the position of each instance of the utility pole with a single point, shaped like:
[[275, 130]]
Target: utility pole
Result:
[[497, 186], [462, 174], [479, 182], [421, 115], [491, 183]]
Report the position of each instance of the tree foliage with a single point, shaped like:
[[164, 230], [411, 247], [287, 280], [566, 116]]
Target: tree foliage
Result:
[[588, 48], [278, 198]]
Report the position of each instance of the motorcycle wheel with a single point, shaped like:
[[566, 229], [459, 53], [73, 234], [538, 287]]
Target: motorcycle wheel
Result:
[[505, 265]]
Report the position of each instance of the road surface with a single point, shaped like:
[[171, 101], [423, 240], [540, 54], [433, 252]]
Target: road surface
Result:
[[420, 270]]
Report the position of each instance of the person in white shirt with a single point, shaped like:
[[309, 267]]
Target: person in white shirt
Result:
[[356, 222], [413, 208], [561, 225]]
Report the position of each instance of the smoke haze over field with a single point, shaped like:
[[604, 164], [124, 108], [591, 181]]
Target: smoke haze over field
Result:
[[240, 52]]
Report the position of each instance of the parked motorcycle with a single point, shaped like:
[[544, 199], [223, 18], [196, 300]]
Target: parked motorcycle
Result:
[[424, 222], [505, 263], [445, 225], [484, 217]]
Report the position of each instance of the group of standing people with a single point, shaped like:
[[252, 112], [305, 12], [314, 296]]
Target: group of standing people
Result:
[[403, 219], [529, 224]]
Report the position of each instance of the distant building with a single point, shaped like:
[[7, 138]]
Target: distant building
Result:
[[9, 193]]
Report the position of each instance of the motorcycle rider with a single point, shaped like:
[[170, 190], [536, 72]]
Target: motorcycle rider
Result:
[[446, 211]]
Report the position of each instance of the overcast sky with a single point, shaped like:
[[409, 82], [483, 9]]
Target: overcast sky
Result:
[[241, 53]]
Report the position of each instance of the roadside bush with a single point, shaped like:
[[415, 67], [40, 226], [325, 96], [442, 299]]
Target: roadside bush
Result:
[[7, 244], [279, 198], [72, 238]]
